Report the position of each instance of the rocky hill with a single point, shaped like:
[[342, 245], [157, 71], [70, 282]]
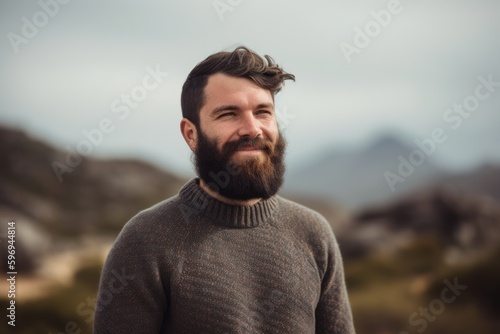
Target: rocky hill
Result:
[[96, 197], [464, 224]]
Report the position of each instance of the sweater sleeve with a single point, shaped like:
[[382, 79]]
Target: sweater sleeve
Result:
[[131, 296], [333, 312]]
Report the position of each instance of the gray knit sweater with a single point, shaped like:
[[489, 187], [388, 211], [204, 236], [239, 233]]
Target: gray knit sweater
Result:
[[192, 264]]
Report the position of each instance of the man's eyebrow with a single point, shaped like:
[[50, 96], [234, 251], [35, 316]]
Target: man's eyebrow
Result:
[[265, 105]]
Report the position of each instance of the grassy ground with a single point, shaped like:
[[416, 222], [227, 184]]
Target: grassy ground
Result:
[[402, 292]]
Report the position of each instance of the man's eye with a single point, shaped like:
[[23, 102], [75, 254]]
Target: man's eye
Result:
[[264, 112], [227, 114]]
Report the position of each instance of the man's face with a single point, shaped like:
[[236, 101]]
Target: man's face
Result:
[[239, 151]]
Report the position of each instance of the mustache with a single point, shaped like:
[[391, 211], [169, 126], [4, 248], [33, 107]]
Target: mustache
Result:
[[258, 142]]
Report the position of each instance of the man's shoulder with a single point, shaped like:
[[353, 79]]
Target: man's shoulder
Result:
[[302, 216], [156, 216], [287, 205]]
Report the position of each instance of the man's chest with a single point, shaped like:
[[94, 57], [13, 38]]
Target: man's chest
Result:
[[231, 278]]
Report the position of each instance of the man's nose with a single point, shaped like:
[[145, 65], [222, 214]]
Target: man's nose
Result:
[[249, 127]]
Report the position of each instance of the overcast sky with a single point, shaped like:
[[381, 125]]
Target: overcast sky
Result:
[[64, 76]]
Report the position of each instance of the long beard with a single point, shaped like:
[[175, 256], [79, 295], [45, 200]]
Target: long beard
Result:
[[247, 178]]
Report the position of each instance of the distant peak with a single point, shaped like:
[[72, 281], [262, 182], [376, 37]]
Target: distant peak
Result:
[[387, 142]]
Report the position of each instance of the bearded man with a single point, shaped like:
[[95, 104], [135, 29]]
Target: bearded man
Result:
[[227, 255]]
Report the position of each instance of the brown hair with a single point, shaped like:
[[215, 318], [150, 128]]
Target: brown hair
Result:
[[243, 63]]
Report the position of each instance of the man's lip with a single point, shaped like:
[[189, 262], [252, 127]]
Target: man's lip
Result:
[[249, 149]]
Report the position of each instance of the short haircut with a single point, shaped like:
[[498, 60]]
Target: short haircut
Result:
[[242, 63]]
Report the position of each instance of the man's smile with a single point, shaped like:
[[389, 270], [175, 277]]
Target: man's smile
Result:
[[249, 149]]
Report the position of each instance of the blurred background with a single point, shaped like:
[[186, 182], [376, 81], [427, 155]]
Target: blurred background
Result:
[[392, 127]]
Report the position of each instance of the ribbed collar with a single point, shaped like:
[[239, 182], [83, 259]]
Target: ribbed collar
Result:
[[231, 215]]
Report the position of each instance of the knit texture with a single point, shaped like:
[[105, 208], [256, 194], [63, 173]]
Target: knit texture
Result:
[[193, 264]]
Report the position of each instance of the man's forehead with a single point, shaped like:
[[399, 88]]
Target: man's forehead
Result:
[[226, 89], [222, 83]]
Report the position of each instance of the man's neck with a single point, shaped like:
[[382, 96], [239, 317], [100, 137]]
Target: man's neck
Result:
[[226, 200]]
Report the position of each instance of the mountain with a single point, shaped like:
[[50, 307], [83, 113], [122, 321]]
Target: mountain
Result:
[[357, 178], [95, 197]]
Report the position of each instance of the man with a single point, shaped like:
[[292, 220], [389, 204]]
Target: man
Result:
[[227, 255]]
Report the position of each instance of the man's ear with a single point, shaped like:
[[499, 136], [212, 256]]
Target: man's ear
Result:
[[190, 134]]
